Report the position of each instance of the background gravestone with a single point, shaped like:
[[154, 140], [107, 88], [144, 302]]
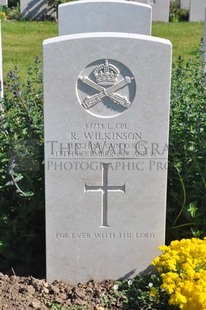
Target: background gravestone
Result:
[[106, 133], [160, 9], [104, 16], [185, 4], [4, 2], [204, 44], [33, 9], [197, 10]]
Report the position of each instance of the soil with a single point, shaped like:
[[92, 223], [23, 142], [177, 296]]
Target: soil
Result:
[[24, 293]]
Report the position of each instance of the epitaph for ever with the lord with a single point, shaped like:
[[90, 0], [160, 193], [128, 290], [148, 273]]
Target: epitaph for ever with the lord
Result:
[[106, 148]]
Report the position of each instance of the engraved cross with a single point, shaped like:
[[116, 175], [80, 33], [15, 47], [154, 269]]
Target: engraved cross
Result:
[[104, 188]]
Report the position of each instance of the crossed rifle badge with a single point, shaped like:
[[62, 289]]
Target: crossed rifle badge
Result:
[[90, 101]]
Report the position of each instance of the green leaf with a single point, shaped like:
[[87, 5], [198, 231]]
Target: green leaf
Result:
[[192, 209]]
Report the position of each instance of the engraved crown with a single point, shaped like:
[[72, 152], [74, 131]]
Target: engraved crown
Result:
[[106, 74]]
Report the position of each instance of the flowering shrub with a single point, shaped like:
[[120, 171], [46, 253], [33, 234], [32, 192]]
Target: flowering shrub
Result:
[[186, 199], [182, 267], [22, 173], [3, 15], [141, 292]]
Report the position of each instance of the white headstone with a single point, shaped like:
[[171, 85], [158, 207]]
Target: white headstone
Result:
[[185, 4], [197, 10], [104, 16], [106, 134], [160, 9], [33, 9], [4, 2], [204, 45], [140, 1]]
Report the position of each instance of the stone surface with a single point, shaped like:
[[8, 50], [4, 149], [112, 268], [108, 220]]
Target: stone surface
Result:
[[104, 16], [160, 9], [185, 4], [197, 10], [33, 9], [139, 1], [204, 44], [105, 153], [4, 2]]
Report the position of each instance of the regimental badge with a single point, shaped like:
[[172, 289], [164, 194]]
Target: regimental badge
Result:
[[106, 88]]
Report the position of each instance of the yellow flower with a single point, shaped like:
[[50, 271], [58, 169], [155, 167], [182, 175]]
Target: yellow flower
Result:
[[153, 292], [3, 15], [182, 266]]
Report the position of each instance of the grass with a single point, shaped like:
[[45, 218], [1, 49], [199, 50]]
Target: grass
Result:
[[22, 41], [185, 37]]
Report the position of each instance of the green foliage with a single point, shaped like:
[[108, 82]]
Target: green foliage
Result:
[[22, 182], [177, 14], [13, 3], [143, 292], [56, 307], [55, 3], [186, 215], [12, 13]]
